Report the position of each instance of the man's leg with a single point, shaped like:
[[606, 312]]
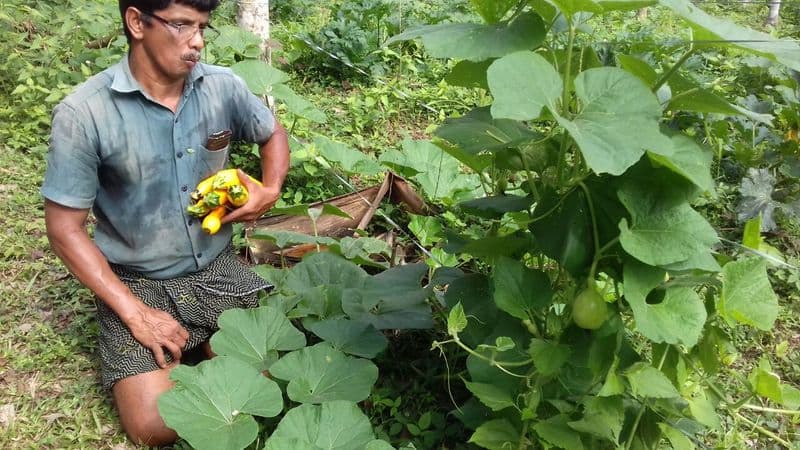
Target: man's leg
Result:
[[136, 397]]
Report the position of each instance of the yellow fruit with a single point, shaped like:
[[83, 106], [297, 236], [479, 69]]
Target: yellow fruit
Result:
[[217, 197], [226, 178], [203, 188], [211, 223], [198, 209], [238, 195]]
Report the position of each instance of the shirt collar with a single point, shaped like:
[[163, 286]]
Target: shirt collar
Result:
[[123, 80]]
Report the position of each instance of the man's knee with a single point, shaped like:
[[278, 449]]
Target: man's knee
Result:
[[136, 398], [147, 428]]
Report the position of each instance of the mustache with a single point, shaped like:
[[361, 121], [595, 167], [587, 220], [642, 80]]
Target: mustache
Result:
[[191, 56]]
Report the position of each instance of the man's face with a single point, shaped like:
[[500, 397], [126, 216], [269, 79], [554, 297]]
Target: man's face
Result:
[[174, 39]]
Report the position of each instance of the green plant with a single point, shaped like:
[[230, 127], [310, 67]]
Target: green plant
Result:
[[344, 308], [579, 149], [47, 51]]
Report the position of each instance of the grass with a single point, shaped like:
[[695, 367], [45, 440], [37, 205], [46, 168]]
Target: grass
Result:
[[49, 392]]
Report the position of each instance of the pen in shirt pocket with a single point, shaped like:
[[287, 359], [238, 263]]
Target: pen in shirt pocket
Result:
[[219, 140]]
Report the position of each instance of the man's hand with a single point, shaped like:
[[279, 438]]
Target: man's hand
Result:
[[261, 199], [158, 330]]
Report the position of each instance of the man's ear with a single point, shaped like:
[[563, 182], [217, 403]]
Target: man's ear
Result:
[[135, 22]]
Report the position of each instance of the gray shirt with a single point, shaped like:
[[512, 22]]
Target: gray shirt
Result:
[[135, 162]]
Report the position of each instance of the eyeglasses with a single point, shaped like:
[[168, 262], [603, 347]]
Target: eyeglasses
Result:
[[186, 32]]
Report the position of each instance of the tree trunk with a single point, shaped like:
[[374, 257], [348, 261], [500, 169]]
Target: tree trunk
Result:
[[774, 11], [253, 16]]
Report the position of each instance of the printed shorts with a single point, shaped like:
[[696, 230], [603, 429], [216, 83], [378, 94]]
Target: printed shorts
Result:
[[195, 301]]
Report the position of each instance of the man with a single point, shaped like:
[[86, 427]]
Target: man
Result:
[[130, 144]]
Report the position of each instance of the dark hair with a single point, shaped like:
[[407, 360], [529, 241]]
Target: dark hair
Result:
[[151, 6]]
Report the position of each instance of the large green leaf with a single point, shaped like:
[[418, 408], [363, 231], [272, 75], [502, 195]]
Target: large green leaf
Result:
[[495, 435], [349, 159], [689, 96], [557, 432], [618, 120], [689, 160], [602, 417], [320, 280], [236, 38], [747, 296], [302, 209], [476, 42], [548, 357], [256, 335], [473, 293], [660, 233], [522, 84], [495, 206], [297, 104], [350, 336], [624, 5], [336, 425], [284, 238], [436, 172], [647, 381], [565, 233], [393, 299], [518, 290], [570, 7], [765, 382], [676, 437], [477, 162], [469, 74], [488, 247], [321, 374], [477, 131], [259, 75], [637, 67], [493, 10], [678, 319], [728, 34], [210, 412], [493, 396]]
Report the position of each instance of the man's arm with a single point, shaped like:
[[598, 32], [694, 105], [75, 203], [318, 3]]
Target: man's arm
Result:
[[274, 167], [66, 230]]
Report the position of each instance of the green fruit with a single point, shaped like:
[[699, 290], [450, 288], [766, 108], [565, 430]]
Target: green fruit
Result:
[[589, 310]]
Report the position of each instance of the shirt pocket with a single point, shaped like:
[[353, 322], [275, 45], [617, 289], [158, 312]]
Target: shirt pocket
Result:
[[210, 161]]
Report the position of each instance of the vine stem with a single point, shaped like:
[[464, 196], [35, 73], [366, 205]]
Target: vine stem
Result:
[[595, 232], [500, 365], [642, 409], [529, 175], [566, 95], [789, 412], [666, 75], [764, 431], [523, 443]]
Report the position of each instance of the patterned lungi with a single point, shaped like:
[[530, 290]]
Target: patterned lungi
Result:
[[195, 301]]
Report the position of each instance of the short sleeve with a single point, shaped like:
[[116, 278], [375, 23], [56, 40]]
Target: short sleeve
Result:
[[253, 120], [72, 160]]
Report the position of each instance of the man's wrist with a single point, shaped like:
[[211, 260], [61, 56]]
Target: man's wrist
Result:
[[129, 309]]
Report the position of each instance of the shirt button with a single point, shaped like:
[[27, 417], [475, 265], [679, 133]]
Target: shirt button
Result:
[[184, 188], [180, 154], [190, 222], [199, 255]]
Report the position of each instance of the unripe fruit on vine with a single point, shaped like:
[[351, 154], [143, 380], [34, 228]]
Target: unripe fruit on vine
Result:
[[589, 310]]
